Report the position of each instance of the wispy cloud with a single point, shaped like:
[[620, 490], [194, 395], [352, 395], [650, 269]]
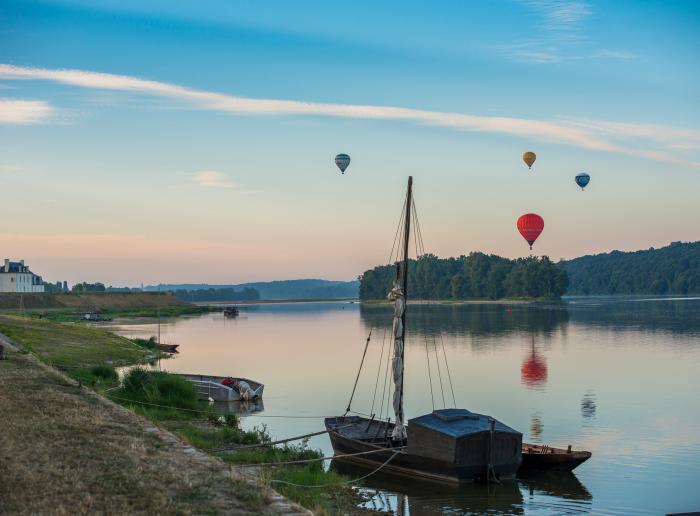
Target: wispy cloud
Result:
[[24, 111], [597, 135], [212, 179], [614, 54], [560, 35], [561, 15]]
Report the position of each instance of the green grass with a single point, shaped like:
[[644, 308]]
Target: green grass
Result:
[[157, 388], [336, 497], [71, 346], [73, 315], [210, 431], [96, 376]]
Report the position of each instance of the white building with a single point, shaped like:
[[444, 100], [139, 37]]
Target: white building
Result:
[[16, 277]]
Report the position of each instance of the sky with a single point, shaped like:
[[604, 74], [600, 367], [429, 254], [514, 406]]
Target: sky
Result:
[[173, 141]]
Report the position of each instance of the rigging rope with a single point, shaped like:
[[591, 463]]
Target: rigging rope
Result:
[[449, 376], [430, 378], [396, 236], [437, 360], [386, 375], [359, 371], [376, 382]]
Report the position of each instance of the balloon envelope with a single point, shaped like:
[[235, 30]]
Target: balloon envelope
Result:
[[342, 161], [529, 158], [582, 180], [530, 226]]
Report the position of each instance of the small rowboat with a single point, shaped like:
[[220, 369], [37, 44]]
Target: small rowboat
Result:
[[224, 388], [168, 348], [538, 457]]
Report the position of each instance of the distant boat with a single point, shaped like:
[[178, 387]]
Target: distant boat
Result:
[[168, 348], [224, 388], [231, 312]]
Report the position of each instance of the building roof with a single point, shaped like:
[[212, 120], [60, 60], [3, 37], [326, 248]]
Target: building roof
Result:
[[14, 267], [459, 422]]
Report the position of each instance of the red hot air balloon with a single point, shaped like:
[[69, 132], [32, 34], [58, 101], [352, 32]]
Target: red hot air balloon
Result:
[[530, 226]]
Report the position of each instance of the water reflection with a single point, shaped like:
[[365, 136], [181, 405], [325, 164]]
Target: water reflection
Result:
[[588, 406], [561, 484], [533, 372], [242, 408], [472, 319], [536, 427], [388, 494]]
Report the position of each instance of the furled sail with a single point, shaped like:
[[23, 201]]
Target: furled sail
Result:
[[397, 296]]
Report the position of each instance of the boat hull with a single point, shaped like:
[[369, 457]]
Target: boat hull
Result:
[[403, 464], [544, 458], [211, 388]]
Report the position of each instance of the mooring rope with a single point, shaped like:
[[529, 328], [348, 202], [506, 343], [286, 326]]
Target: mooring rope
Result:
[[347, 482], [318, 459], [111, 396]]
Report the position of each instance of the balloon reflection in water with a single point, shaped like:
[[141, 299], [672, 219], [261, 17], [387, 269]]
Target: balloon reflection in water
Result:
[[533, 372], [536, 427], [588, 406]]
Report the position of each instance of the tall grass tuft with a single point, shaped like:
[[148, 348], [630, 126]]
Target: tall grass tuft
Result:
[[159, 388], [97, 375]]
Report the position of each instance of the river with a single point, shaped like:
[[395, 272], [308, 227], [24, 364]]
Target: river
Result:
[[619, 377]]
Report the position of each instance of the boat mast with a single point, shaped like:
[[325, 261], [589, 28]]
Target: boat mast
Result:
[[404, 277], [398, 296]]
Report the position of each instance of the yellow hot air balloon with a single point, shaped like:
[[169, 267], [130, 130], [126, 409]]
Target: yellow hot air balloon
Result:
[[529, 158]]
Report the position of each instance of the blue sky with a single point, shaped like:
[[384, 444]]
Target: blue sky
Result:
[[148, 143]]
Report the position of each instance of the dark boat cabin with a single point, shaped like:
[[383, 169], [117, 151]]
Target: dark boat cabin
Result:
[[469, 441]]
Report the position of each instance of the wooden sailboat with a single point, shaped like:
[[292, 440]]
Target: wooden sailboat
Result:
[[450, 445]]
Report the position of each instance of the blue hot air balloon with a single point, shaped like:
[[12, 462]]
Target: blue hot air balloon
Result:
[[582, 180], [342, 161]]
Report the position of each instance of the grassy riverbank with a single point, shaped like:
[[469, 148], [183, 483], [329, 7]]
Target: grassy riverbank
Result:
[[72, 346], [89, 355], [170, 401], [65, 449]]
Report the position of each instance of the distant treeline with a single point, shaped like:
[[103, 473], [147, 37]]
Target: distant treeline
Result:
[[217, 294], [283, 289], [674, 269], [477, 276]]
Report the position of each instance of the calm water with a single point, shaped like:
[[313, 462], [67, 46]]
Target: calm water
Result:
[[618, 377]]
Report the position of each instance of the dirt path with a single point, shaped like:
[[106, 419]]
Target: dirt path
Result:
[[64, 450]]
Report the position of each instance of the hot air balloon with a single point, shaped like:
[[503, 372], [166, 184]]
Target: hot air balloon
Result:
[[530, 226], [529, 158], [582, 180], [342, 161]]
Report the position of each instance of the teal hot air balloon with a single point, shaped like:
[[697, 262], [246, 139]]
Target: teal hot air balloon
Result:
[[342, 161], [582, 180]]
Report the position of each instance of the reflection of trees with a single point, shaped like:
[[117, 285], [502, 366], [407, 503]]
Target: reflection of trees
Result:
[[471, 319], [492, 320], [677, 316]]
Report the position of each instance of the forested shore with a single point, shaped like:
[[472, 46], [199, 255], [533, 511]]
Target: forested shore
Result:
[[477, 276], [673, 269]]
